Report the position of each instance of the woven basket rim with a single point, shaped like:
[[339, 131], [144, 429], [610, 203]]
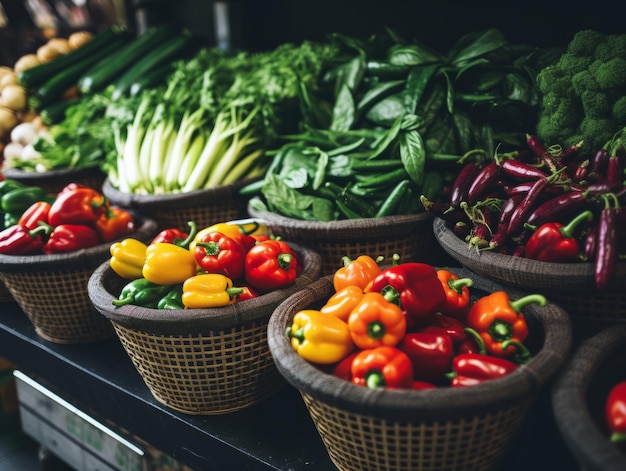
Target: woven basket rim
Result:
[[176, 321], [569, 276], [387, 226], [437, 404], [190, 197], [580, 431], [62, 173], [146, 228]]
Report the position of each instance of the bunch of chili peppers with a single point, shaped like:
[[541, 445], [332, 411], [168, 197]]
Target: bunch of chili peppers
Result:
[[545, 203], [78, 217], [411, 326], [212, 267]]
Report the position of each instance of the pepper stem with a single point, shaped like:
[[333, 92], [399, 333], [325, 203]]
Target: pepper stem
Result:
[[375, 379], [284, 260], [618, 437], [520, 303], [480, 343], [192, 233], [567, 231], [457, 285], [376, 330], [522, 355]]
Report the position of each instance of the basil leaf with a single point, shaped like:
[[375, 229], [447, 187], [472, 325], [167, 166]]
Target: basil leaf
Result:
[[344, 110], [413, 155]]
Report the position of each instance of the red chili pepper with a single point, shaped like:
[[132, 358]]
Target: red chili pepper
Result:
[[36, 212], [431, 354], [71, 237], [114, 223], [170, 236], [382, 367], [414, 287], [526, 206], [271, 264], [20, 240], [555, 242], [80, 205], [557, 207], [473, 368], [500, 323], [615, 412], [218, 253], [484, 179], [462, 183], [457, 294], [519, 170]]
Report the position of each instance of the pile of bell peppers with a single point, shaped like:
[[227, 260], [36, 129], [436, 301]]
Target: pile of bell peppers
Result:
[[77, 217], [216, 266], [411, 326]]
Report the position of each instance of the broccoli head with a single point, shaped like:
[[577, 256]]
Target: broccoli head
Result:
[[583, 92]]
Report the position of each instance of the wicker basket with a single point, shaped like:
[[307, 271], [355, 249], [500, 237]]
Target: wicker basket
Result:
[[409, 236], [579, 394], [570, 285], [201, 361], [204, 207], [52, 289], [442, 429], [54, 181]]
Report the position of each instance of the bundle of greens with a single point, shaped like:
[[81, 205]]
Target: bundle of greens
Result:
[[404, 117]]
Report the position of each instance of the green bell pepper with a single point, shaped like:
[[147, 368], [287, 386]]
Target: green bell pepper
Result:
[[19, 200], [141, 292], [173, 299]]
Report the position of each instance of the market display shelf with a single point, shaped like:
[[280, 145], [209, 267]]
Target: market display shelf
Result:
[[100, 380], [276, 434]]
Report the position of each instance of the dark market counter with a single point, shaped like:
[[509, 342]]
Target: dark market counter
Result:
[[277, 433]]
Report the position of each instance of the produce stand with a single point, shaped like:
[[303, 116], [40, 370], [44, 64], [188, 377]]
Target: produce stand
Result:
[[275, 434]]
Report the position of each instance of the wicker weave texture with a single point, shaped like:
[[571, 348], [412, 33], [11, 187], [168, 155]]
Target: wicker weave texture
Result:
[[360, 442], [204, 207], [212, 373], [58, 305]]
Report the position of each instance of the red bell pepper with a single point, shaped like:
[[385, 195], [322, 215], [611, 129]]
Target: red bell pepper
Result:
[[414, 287], [218, 253], [271, 264], [170, 236], [555, 242], [451, 326], [615, 412], [20, 240], [431, 354], [457, 294], [499, 321], [374, 322], [382, 367], [36, 212], [474, 368], [114, 223], [343, 369], [417, 385], [71, 237], [77, 205]]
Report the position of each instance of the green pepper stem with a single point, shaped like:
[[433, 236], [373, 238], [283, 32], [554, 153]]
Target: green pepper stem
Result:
[[192, 233], [376, 330], [523, 355], [568, 231], [480, 343], [232, 292], [375, 379], [457, 285], [520, 303], [284, 260], [618, 437]]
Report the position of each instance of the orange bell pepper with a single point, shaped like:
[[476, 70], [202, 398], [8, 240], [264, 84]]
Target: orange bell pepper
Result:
[[383, 367], [343, 302], [114, 223], [375, 322], [360, 272], [499, 321]]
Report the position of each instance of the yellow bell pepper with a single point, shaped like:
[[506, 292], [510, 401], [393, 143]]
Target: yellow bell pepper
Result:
[[209, 290], [128, 257], [320, 338], [168, 264], [241, 229]]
